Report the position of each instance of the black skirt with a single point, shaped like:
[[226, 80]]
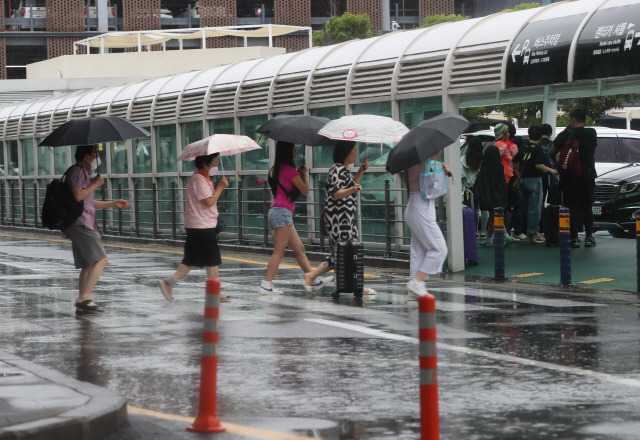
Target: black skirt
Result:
[[201, 248]]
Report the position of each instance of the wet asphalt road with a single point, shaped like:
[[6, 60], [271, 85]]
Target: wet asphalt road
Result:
[[516, 361]]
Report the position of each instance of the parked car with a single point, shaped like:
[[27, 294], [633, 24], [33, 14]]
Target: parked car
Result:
[[31, 9], [93, 12], [617, 198], [195, 11]]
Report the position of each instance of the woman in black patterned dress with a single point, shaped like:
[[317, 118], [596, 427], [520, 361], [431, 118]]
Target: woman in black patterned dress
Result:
[[340, 209]]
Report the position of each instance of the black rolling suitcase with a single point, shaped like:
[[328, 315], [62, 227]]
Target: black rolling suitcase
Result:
[[349, 267]]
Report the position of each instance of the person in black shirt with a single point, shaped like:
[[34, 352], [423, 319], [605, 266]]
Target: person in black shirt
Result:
[[530, 159], [578, 190]]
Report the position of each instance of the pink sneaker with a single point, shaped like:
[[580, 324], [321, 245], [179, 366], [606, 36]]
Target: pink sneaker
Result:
[[166, 290]]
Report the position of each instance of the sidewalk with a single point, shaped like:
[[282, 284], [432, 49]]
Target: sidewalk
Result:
[[39, 403]]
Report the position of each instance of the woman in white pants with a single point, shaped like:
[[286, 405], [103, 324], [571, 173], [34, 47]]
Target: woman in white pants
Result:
[[428, 246]]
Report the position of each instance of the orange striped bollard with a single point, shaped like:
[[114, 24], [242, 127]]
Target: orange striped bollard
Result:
[[207, 421], [429, 416]]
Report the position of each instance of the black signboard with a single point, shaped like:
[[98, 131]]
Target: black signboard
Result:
[[609, 44], [540, 52]]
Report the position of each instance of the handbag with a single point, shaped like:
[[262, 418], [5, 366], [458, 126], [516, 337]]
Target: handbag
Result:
[[433, 184], [220, 226]]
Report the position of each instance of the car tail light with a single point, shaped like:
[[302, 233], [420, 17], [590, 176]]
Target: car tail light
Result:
[[22, 12], [198, 11], [113, 11], [85, 11]]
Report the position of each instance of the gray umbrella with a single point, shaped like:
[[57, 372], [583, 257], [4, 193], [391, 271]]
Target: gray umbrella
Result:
[[297, 129], [425, 140], [93, 130]]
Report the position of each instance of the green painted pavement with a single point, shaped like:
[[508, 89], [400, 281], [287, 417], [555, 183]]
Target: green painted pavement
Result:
[[613, 258]]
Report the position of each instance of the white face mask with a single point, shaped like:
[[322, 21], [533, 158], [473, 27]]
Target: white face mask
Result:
[[95, 163]]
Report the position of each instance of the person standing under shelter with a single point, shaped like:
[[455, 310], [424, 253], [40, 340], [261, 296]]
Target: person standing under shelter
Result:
[[508, 150], [532, 168], [201, 221], [578, 186], [88, 252]]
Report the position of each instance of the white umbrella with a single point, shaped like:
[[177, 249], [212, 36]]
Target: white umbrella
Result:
[[224, 144], [364, 128]]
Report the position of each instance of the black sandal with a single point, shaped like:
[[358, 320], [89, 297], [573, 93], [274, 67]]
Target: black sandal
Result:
[[86, 308]]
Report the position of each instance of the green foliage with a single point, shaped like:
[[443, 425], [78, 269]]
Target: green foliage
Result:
[[596, 107], [432, 20], [523, 6], [344, 28]]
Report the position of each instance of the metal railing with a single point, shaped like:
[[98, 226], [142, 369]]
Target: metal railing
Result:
[[157, 213]]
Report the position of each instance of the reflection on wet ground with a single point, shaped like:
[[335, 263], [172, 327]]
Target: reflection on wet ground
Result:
[[516, 361]]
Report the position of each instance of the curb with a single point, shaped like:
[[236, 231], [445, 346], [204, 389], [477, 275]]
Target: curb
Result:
[[100, 416]]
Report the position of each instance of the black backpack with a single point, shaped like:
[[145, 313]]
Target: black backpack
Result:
[[60, 209]]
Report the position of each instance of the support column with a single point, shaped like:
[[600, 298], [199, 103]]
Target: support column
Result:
[[455, 235], [549, 109], [292, 13]]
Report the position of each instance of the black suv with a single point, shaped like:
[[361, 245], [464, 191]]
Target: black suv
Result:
[[617, 198]]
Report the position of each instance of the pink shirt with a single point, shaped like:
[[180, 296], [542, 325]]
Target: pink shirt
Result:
[[197, 214], [508, 151], [287, 174], [80, 177]]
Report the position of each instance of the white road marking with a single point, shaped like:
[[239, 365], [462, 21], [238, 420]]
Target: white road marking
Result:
[[487, 354], [515, 297]]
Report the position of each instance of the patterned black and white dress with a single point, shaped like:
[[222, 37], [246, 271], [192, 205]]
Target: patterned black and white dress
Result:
[[340, 214]]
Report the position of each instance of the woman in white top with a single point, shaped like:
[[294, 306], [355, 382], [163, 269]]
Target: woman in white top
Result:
[[428, 246]]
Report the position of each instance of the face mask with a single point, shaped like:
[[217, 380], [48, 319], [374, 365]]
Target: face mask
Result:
[[95, 163]]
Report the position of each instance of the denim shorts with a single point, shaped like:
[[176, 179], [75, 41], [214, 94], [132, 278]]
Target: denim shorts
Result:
[[279, 217]]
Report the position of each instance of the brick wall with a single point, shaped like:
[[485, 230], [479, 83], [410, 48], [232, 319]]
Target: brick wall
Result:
[[64, 16], [293, 13], [433, 7], [371, 7], [3, 47], [219, 13], [140, 15]]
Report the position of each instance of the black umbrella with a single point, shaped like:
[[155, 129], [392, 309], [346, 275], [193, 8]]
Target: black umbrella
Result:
[[425, 140], [297, 129], [93, 130]]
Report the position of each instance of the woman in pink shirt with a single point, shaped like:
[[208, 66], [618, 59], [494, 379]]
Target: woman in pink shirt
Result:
[[287, 183], [200, 220]]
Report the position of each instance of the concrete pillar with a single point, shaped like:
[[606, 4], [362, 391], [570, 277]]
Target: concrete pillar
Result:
[[549, 109], [103, 17], [455, 236], [3, 47]]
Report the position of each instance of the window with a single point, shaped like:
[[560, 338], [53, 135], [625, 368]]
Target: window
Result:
[[224, 126], [44, 160], [28, 168], [256, 159], [2, 170], [141, 154], [630, 149], [12, 158], [191, 132], [60, 162], [166, 153], [323, 156], [119, 161], [606, 150]]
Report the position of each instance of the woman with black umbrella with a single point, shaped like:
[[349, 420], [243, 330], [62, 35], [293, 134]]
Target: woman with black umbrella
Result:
[[428, 246]]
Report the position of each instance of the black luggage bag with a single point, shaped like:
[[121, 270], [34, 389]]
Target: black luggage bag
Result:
[[349, 267]]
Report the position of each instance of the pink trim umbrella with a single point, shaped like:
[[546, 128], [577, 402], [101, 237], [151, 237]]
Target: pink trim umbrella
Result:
[[224, 144], [364, 128]]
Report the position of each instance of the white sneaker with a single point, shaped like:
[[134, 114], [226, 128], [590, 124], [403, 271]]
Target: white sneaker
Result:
[[519, 236], [270, 290], [417, 288], [320, 282]]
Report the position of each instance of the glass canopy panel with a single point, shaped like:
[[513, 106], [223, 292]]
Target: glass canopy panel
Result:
[[439, 37], [153, 87], [129, 91], [205, 78], [269, 67], [345, 54], [178, 82], [306, 60], [236, 72], [390, 46], [496, 28], [87, 98], [107, 96]]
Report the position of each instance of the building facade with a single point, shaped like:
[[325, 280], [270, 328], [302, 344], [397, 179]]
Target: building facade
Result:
[[30, 36]]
